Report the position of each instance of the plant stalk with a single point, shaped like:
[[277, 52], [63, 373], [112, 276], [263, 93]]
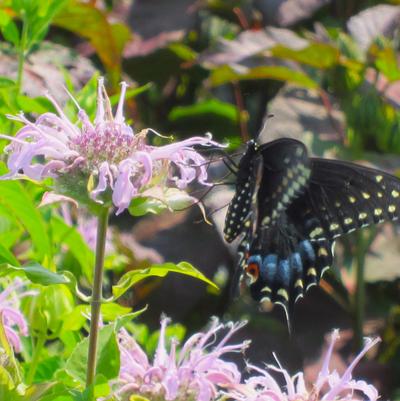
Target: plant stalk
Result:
[[97, 294], [359, 296], [41, 341]]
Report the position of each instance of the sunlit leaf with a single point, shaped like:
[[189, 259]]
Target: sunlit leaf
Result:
[[90, 22], [6, 83], [320, 55], [47, 309], [9, 28], [183, 51], [386, 62], [35, 273], [226, 74], [205, 108], [107, 357], [144, 205], [134, 276], [7, 257], [131, 93], [123, 320], [16, 199], [64, 234], [38, 17]]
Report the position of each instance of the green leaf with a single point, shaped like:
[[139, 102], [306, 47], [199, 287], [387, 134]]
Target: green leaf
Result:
[[90, 22], [9, 28], [39, 16], [319, 55], [16, 199], [205, 108], [134, 276], [144, 205], [35, 273], [7, 257], [226, 74], [6, 83], [183, 51], [46, 311], [63, 234], [123, 320], [108, 361], [386, 62], [157, 199], [109, 311], [47, 367], [39, 105], [131, 93]]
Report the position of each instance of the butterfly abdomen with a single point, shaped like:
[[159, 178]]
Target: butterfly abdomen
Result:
[[239, 209]]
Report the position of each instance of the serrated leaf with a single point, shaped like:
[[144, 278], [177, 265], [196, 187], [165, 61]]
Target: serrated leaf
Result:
[[134, 276], [107, 357]]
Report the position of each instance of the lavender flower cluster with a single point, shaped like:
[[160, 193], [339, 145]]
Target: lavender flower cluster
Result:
[[120, 162], [199, 373]]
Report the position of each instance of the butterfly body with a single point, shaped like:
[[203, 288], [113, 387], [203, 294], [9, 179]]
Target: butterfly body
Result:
[[289, 208]]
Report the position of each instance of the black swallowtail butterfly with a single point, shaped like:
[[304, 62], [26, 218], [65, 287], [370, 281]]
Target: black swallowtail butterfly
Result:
[[290, 207]]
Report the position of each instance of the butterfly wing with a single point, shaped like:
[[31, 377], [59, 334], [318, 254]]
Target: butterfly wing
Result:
[[285, 177], [290, 254], [342, 197]]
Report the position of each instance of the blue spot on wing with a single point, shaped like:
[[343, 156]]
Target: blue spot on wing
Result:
[[307, 250], [284, 272], [269, 267], [296, 263]]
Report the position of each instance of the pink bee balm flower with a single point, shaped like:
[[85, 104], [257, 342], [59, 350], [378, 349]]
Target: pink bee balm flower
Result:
[[13, 321], [195, 374], [104, 157], [329, 386]]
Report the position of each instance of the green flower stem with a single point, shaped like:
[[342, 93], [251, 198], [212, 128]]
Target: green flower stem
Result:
[[364, 241], [359, 296], [97, 295], [41, 341]]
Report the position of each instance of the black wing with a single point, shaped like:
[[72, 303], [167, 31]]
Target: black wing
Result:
[[285, 177], [342, 197], [290, 254]]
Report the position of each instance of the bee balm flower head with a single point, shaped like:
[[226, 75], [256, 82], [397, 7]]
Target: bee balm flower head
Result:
[[102, 161], [194, 374]]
